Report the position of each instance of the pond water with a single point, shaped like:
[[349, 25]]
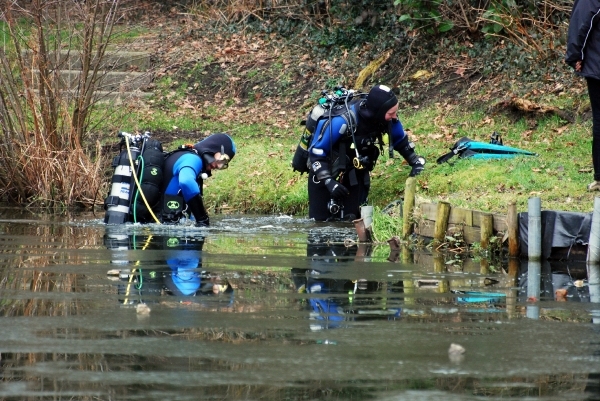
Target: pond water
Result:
[[281, 308]]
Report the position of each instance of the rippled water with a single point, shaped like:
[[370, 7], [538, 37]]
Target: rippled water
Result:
[[281, 308]]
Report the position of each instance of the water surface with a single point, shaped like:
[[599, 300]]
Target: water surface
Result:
[[276, 307]]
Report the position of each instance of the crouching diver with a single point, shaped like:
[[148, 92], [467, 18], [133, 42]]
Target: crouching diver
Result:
[[344, 150], [185, 171]]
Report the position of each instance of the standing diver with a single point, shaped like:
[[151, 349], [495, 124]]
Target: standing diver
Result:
[[185, 171], [338, 185]]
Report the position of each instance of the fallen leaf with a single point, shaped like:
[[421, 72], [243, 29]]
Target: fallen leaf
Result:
[[561, 295], [422, 74]]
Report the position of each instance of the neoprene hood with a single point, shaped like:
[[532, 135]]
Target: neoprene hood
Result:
[[379, 101], [214, 143]]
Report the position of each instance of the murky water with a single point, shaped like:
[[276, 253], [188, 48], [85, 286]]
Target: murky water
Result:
[[280, 308]]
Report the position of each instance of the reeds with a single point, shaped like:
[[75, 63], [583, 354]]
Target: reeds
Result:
[[43, 119], [34, 174]]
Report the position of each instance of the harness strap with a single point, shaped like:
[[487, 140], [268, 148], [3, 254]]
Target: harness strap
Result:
[[112, 200], [342, 156]]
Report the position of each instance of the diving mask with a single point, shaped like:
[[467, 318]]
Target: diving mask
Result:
[[221, 163]]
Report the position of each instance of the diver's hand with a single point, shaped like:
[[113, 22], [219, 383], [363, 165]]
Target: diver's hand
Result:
[[203, 221], [337, 190], [417, 169]]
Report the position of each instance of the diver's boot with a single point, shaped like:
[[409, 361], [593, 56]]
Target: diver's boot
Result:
[[196, 207], [594, 186]]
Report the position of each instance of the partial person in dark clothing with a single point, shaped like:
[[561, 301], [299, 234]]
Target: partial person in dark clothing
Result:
[[344, 150], [185, 172], [583, 54]]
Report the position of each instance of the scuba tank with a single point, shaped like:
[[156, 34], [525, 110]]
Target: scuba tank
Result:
[[127, 202], [118, 201], [329, 105], [300, 160]]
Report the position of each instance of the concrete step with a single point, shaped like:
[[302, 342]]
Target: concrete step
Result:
[[124, 74], [116, 97], [119, 97], [107, 80], [114, 60]]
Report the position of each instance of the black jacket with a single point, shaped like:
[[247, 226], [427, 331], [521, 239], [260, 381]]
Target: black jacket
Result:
[[583, 41]]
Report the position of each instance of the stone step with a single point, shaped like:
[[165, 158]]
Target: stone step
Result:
[[115, 97], [107, 81], [119, 97], [113, 61]]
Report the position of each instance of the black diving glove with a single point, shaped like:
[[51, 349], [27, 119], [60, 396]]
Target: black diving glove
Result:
[[204, 222], [337, 190], [407, 151], [196, 207], [417, 169]]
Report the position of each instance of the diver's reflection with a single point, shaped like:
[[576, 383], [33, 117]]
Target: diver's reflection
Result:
[[176, 269], [334, 296]]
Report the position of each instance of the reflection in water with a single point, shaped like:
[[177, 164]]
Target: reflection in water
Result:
[[179, 274], [556, 281], [335, 300], [594, 289], [533, 289]]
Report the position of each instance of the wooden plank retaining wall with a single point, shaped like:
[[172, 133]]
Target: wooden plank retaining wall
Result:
[[466, 220], [436, 220]]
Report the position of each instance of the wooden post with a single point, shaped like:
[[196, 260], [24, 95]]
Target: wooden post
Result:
[[407, 255], [512, 292], [512, 222], [408, 284], [394, 249], [484, 266], [487, 229], [513, 270], [409, 204], [441, 222], [440, 267]]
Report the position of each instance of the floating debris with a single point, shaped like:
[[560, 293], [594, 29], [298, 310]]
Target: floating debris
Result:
[[142, 309], [456, 353], [456, 349], [326, 342]]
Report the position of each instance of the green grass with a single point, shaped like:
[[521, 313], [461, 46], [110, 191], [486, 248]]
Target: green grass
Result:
[[386, 223]]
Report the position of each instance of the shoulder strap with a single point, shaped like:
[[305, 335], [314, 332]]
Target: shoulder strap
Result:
[[182, 148]]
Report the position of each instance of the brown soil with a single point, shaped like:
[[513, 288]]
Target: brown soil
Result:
[[253, 77]]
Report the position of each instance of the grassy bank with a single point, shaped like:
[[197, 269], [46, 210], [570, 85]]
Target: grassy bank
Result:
[[259, 86]]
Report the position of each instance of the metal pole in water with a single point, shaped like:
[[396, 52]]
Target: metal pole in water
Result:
[[593, 255], [534, 236], [366, 213], [534, 269], [593, 259], [594, 288]]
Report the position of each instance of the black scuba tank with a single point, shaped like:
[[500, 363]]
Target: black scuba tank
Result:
[[151, 180]]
